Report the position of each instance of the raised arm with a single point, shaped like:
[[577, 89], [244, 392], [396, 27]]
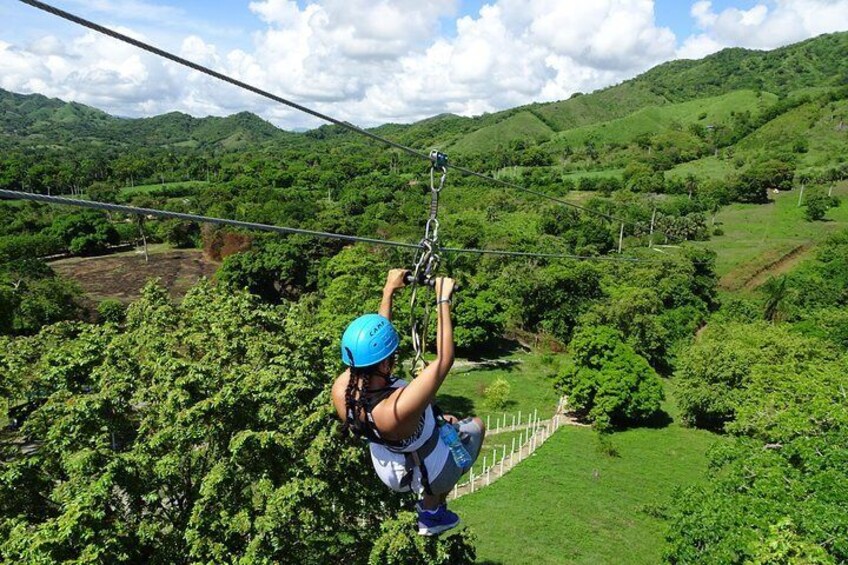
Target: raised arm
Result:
[[394, 281], [412, 399]]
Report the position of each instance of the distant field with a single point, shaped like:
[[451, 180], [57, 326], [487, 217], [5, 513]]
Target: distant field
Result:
[[708, 167], [122, 276], [755, 236]]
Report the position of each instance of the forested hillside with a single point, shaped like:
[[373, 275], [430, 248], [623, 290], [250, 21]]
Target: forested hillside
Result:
[[709, 419], [33, 120]]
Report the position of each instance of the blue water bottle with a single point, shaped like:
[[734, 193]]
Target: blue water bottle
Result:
[[451, 438]]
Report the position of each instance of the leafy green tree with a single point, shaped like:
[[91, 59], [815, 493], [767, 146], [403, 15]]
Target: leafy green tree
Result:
[[26, 246], [85, 232], [276, 269], [754, 183], [817, 206], [32, 296], [768, 504], [179, 234], [198, 432], [715, 373], [399, 545], [777, 294], [479, 317], [608, 383], [111, 310], [555, 296]]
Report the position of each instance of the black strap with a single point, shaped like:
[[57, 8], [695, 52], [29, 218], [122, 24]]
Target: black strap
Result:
[[368, 430], [418, 458]]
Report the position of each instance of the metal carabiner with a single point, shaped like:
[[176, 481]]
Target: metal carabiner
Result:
[[433, 187], [431, 231]]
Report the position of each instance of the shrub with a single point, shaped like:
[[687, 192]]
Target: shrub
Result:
[[816, 207], [496, 395], [111, 310]]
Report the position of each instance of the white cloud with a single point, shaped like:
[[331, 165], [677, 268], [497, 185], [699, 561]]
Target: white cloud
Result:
[[374, 61], [766, 25]]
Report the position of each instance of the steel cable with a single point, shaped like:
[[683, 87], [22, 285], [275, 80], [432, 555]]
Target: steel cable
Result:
[[264, 93], [166, 214]]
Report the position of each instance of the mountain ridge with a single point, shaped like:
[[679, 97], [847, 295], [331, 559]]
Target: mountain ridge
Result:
[[816, 62]]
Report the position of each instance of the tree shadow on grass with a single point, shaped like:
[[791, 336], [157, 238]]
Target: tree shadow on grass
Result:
[[496, 349], [459, 406], [658, 421], [507, 365]]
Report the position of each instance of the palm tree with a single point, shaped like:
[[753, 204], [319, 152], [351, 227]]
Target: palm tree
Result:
[[776, 291]]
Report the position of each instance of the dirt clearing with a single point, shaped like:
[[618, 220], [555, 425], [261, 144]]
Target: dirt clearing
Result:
[[122, 276]]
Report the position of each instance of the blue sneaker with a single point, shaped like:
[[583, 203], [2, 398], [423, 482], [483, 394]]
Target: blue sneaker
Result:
[[434, 522]]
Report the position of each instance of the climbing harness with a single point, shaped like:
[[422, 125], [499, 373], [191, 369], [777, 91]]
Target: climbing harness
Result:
[[427, 259], [412, 459]]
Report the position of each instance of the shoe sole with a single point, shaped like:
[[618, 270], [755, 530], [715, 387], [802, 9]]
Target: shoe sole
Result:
[[437, 529]]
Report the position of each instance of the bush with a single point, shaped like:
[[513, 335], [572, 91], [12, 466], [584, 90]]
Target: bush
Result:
[[14, 247], [111, 310], [817, 206], [496, 394], [608, 383]]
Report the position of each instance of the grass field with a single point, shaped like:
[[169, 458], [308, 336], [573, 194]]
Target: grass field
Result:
[[758, 237], [530, 388], [569, 503], [708, 167], [572, 503]]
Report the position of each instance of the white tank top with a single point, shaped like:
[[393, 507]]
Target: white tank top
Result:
[[391, 465]]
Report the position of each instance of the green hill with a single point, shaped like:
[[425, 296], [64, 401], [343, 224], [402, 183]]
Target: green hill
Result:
[[655, 119], [663, 101], [816, 62], [522, 126], [603, 105], [814, 131], [33, 119]]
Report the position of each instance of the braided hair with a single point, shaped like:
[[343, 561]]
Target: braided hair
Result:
[[359, 381]]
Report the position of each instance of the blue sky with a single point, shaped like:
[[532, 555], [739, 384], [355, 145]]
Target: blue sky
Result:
[[374, 61]]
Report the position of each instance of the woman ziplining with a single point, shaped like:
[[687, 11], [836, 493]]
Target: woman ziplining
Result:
[[414, 447]]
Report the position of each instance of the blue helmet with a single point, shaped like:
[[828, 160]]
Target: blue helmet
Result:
[[368, 340]]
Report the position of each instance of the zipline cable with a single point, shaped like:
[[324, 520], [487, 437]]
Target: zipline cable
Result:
[[264, 93], [166, 214]]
